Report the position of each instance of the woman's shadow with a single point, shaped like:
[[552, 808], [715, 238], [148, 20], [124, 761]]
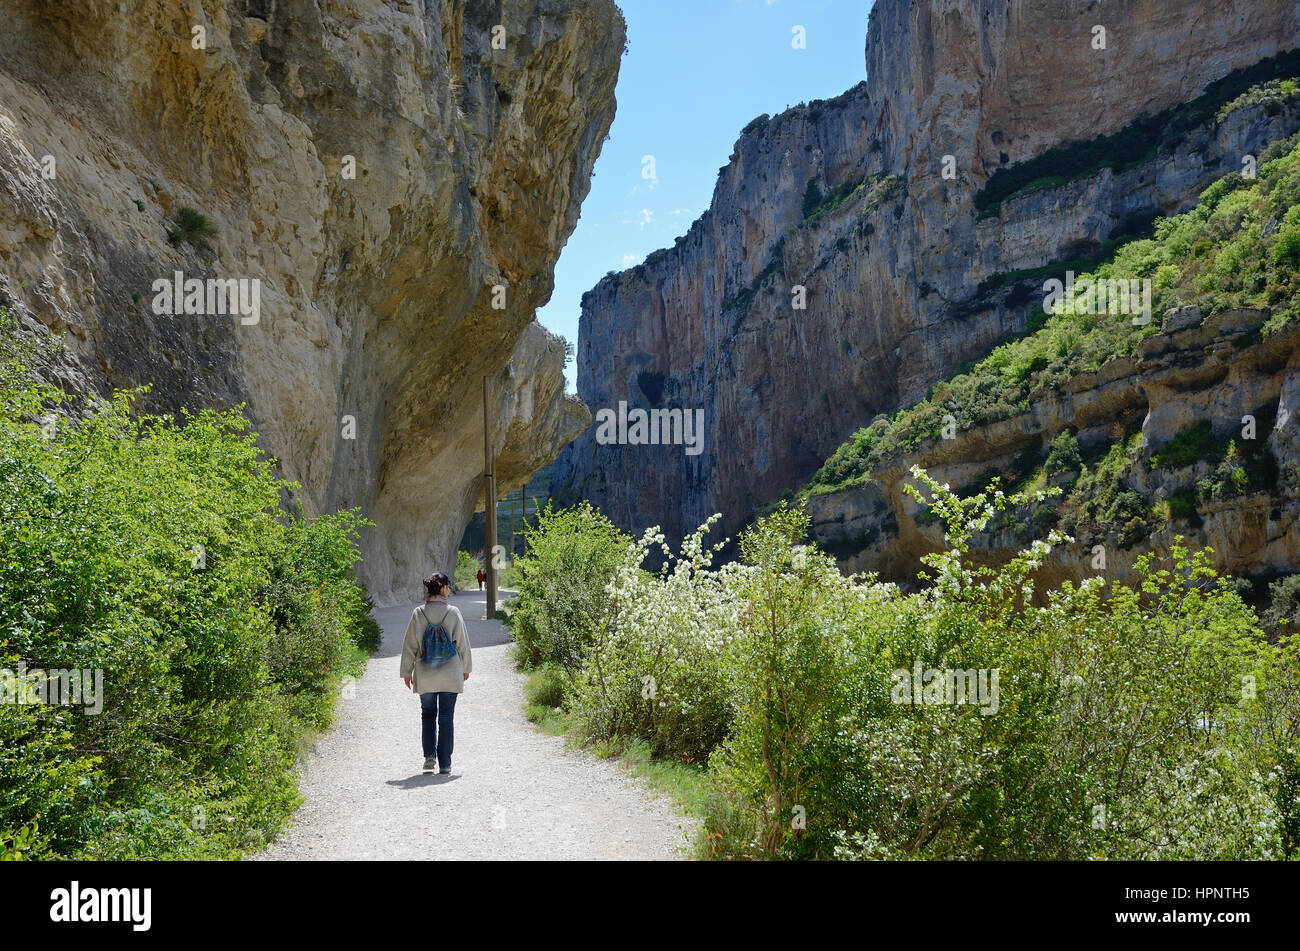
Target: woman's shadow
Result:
[[420, 780]]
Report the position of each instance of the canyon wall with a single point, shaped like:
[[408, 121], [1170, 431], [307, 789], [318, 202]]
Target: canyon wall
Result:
[[996, 83], [1217, 369], [847, 199], [378, 167]]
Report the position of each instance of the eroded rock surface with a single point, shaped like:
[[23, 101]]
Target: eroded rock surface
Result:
[[376, 290], [1221, 371]]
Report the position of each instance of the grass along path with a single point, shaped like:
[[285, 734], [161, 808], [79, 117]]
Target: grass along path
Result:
[[513, 793]]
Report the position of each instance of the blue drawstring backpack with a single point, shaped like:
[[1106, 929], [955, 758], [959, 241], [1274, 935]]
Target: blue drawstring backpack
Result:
[[436, 647]]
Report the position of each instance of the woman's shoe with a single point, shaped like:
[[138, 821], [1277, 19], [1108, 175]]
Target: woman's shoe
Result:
[[430, 763], [444, 770]]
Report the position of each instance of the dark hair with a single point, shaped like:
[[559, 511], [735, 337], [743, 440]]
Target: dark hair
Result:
[[434, 584]]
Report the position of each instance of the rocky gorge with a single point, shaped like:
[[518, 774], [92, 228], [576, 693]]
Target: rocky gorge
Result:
[[860, 250], [397, 178]]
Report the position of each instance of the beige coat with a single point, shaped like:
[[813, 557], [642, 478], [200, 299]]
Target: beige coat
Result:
[[450, 677]]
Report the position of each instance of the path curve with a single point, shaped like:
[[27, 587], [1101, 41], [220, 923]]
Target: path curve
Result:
[[513, 793]]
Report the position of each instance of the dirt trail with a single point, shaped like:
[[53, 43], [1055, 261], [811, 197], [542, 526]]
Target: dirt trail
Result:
[[513, 793]]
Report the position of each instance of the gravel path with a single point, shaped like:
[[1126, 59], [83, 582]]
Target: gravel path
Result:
[[513, 793]]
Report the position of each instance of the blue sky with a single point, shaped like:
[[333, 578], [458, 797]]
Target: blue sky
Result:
[[696, 72]]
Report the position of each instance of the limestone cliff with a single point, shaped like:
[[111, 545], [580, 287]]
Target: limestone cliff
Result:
[[399, 177], [1218, 370], [904, 276]]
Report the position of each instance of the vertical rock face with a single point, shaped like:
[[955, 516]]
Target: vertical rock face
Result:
[[981, 80], [379, 168], [847, 199], [684, 316]]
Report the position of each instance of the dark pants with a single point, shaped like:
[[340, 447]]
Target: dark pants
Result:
[[436, 713]]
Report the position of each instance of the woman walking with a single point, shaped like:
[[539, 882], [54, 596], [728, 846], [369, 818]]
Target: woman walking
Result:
[[436, 662]]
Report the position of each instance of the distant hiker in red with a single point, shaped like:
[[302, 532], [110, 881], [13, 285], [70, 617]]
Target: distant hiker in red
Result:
[[436, 662], [481, 579]]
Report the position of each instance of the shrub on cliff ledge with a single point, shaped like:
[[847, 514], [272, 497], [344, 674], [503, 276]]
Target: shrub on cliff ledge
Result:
[[1064, 455], [192, 227]]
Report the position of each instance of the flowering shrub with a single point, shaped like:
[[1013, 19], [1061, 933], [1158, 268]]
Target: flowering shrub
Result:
[[653, 673], [1211, 807], [1102, 706], [798, 680], [981, 718]]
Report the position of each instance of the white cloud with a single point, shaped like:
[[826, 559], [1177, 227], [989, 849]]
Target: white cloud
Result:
[[643, 217]]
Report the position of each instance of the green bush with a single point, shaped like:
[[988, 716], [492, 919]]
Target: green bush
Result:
[[1122, 729], [1230, 478], [833, 198], [321, 615], [1187, 448], [1282, 615], [156, 551], [562, 603], [1286, 248], [1064, 455], [1101, 499], [1143, 722], [812, 198], [1182, 504], [192, 227], [548, 686], [467, 569], [798, 684]]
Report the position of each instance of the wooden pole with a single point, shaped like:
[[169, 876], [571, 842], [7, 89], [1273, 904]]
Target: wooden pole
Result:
[[489, 507]]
